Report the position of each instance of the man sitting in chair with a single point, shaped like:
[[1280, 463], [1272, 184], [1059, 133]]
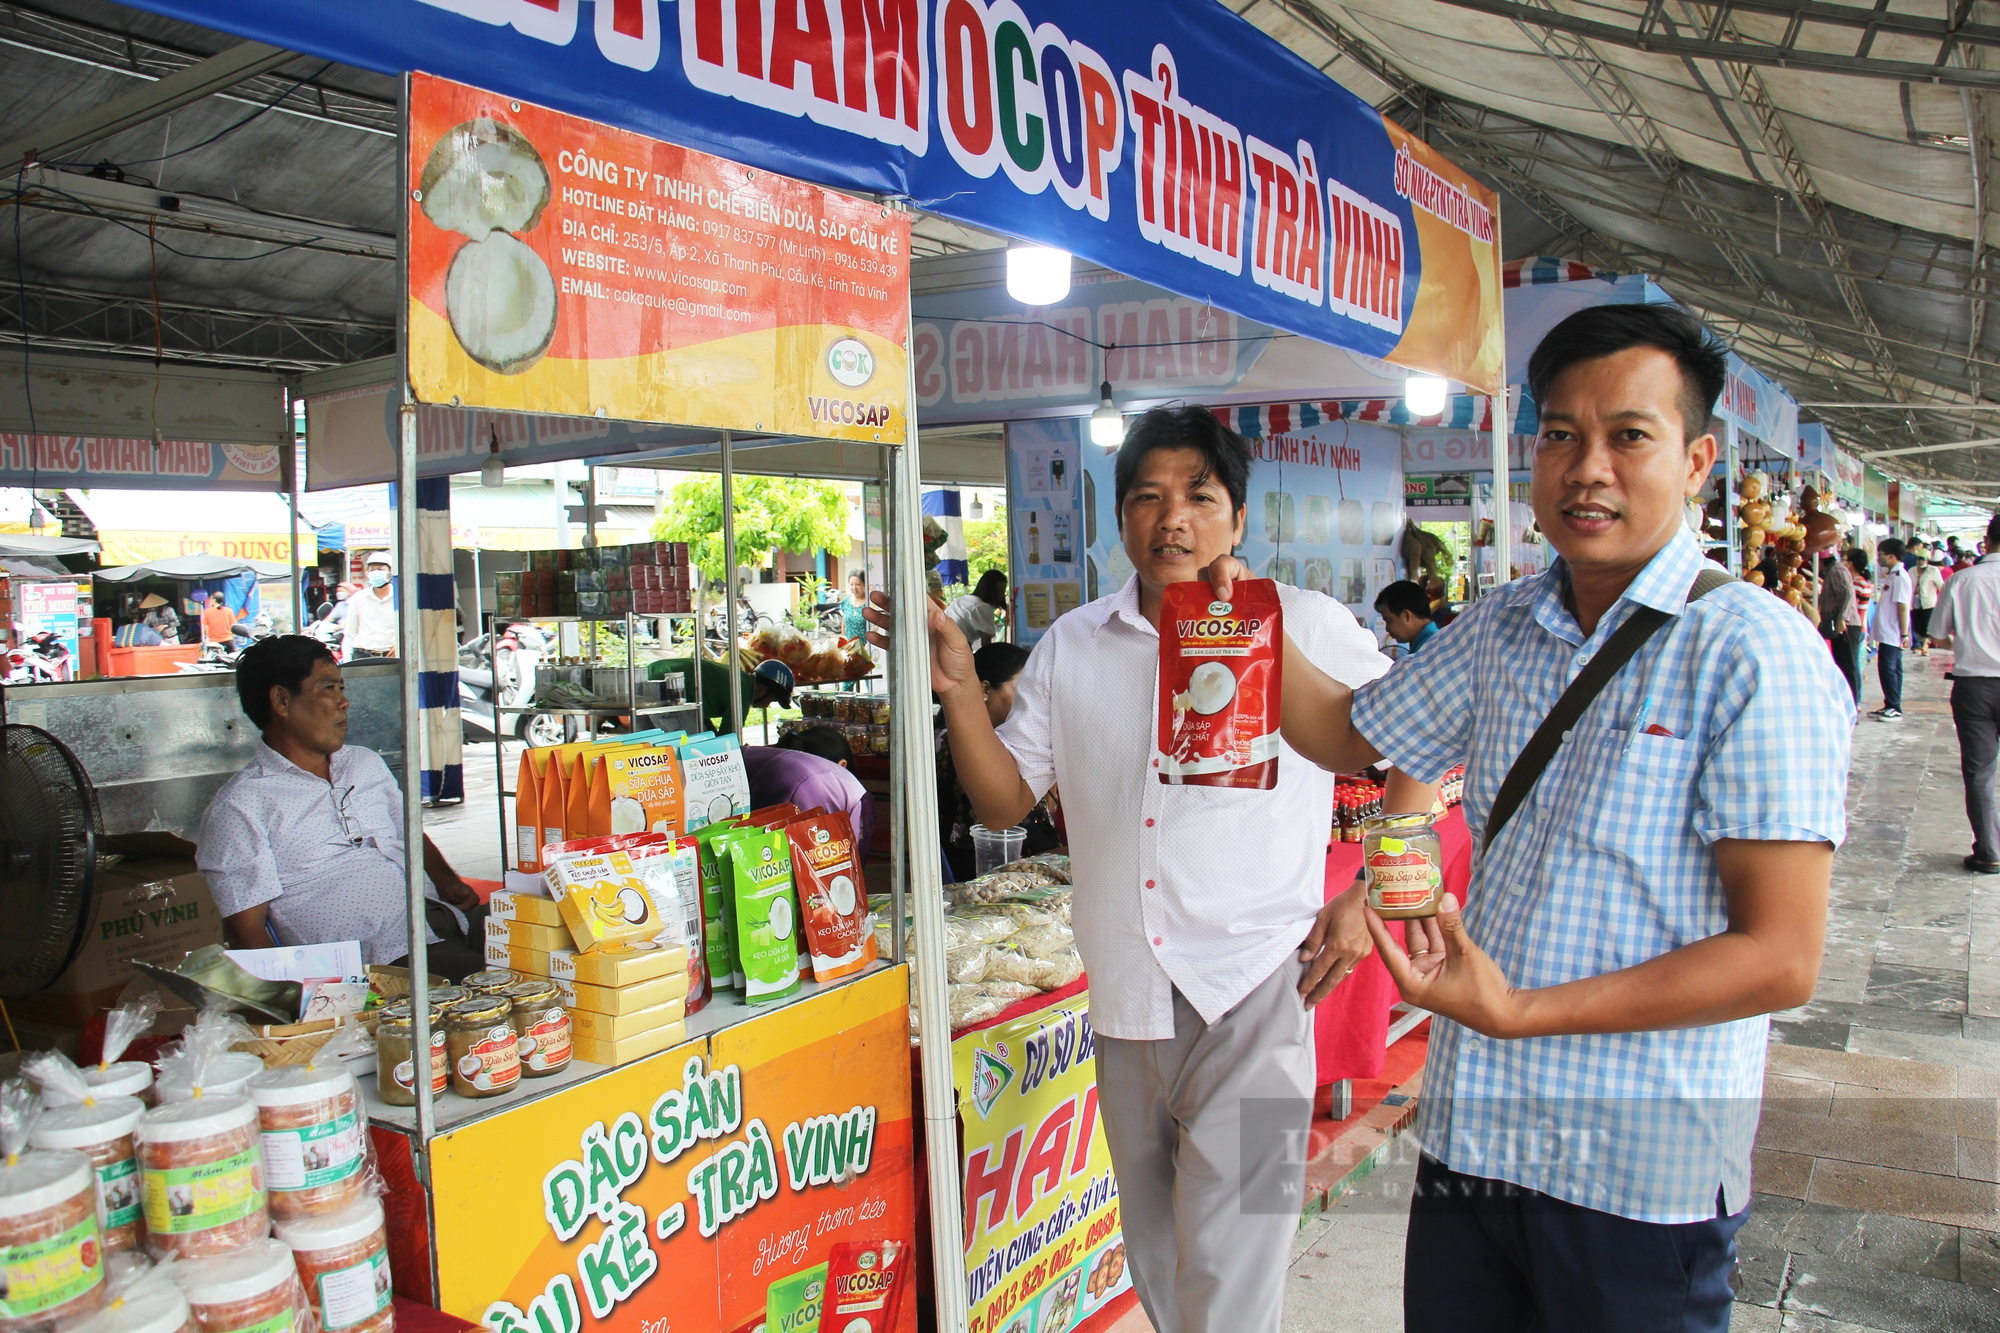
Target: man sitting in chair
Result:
[[305, 846]]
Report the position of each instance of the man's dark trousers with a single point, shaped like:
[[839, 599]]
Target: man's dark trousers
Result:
[[1975, 711], [1485, 1255], [1889, 667]]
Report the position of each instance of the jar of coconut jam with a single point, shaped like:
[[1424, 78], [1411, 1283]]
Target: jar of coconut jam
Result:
[[492, 982], [1404, 864], [484, 1050], [542, 1027], [395, 1071], [442, 997]]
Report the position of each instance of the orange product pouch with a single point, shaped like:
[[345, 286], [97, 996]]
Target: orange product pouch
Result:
[[832, 898]]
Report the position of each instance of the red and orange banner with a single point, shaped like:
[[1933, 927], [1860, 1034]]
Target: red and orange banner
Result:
[[560, 266]]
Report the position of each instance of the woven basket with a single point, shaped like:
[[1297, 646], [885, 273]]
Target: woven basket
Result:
[[393, 983], [279, 1044]]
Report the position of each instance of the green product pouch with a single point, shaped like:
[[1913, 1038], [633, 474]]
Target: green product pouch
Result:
[[718, 905], [767, 914], [793, 1304]]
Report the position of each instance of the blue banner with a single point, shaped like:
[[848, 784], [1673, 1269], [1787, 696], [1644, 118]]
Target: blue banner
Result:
[[1173, 142]]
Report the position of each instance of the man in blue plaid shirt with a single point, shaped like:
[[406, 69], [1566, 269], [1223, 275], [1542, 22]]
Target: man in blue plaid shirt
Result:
[[1595, 1070]]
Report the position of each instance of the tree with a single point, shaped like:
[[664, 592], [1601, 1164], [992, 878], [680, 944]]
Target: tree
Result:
[[986, 543], [772, 514]]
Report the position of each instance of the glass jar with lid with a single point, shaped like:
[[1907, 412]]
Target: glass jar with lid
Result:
[[395, 1071], [542, 1027], [484, 1051], [1404, 864]]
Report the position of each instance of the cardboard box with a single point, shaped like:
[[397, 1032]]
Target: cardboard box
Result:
[[526, 935], [510, 905], [619, 965], [623, 999], [631, 1048], [528, 962], [620, 1027], [152, 907]]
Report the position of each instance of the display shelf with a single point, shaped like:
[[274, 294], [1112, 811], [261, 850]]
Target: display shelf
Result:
[[726, 1010]]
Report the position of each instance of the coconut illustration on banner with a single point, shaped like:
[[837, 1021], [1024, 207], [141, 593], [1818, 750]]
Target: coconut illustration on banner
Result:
[[486, 182]]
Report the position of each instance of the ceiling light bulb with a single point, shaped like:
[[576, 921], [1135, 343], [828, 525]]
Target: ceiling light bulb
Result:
[[1107, 424], [1425, 395], [975, 511], [1037, 274], [35, 520], [493, 472]]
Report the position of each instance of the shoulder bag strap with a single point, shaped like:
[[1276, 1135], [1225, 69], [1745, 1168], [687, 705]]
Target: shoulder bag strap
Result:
[[1541, 748]]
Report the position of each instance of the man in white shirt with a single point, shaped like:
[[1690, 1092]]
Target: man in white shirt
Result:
[[1889, 626], [1967, 621], [1200, 911], [370, 628], [305, 844]]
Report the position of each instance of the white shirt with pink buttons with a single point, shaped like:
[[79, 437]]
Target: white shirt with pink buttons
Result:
[[1204, 889]]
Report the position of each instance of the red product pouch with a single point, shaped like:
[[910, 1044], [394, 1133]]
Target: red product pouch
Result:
[[864, 1285], [1221, 667], [831, 895]]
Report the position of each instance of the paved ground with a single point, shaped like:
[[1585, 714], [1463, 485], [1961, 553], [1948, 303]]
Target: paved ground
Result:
[[1876, 1204], [469, 833]]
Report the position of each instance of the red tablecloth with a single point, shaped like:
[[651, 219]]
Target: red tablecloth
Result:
[[1352, 1025]]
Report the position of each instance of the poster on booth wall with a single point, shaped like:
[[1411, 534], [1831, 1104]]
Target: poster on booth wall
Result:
[[1325, 513], [701, 1190], [1043, 1246], [50, 606], [557, 265]]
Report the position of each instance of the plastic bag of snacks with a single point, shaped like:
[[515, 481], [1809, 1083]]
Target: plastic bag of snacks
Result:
[[343, 1260], [202, 1165], [966, 928], [51, 1255], [111, 1076], [202, 1064], [101, 1129], [140, 1297], [254, 1288], [313, 1129], [1048, 867]]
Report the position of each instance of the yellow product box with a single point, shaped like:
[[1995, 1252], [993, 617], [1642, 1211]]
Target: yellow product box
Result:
[[625, 1051], [603, 899], [622, 1027], [507, 905], [530, 962], [528, 935], [620, 964], [623, 999]]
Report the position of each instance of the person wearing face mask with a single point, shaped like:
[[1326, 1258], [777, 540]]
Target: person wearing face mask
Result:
[[370, 627], [997, 665]]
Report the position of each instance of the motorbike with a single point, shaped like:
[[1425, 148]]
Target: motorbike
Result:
[[40, 659], [748, 621], [498, 671], [326, 629]]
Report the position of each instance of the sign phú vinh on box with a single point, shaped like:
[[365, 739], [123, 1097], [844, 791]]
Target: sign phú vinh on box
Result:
[[562, 266], [698, 1190]]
